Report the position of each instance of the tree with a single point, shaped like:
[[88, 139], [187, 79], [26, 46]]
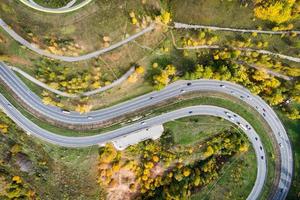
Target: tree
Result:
[[209, 151], [275, 11], [83, 108], [140, 70], [294, 114]]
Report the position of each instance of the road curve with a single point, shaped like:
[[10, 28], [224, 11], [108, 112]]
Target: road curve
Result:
[[68, 5], [94, 54], [69, 8], [153, 98], [64, 94], [33, 129]]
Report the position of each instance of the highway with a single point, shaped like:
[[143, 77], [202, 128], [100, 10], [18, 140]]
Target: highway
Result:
[[153, 98], [33, 129]]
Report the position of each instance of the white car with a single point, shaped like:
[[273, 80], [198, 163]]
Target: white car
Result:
[[244, 127], [65, 111], [231, 118], [227, 113]]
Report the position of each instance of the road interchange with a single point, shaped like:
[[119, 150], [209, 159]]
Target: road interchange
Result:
[[173, 90]]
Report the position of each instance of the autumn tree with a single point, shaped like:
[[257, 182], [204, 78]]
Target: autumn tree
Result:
[[275, 11]]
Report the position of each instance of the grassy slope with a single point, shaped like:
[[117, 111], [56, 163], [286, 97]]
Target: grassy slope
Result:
[[236, 180], [225, 13], [187, 131], [293, 129], [87, 27], [191, 129], [55, 173], [52, 3]]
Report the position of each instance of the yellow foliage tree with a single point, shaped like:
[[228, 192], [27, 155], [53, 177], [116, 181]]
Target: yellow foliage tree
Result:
[[83, 108], [275, 11], [165, 17], [3, 128], [209, 151], [140, 70], [132, 78], [17, 179]]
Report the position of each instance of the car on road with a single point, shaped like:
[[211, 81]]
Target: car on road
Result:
[[189, 84], [222, 86], [65, 111], [248, 127], [243, 127], [143, 123], [231, 118], [190, 112], [182, 91]]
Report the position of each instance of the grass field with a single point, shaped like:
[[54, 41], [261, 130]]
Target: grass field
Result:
[[236, 180], [191, 129], [240, 170], [53, 172], [293, 128], [87, 27], [52, 3], [225, 13]]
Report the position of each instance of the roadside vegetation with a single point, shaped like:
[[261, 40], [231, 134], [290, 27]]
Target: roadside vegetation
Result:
[[31, 169], [164, 169], [191, 160]]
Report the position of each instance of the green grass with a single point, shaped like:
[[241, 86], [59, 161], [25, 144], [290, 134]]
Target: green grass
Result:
[[238, 171], [52, 3], [226, 13], [88, 25], [72, 172], [276, 43], [236, 179], [293, 130], [194, 129]]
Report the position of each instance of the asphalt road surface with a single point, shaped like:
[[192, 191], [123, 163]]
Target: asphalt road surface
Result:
[[173, 90], [33, 129]]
